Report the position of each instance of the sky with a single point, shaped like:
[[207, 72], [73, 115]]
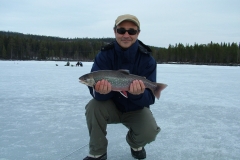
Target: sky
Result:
[[162, 22]]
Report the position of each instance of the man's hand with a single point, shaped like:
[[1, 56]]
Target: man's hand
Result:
[[137, 87], [103, 87]]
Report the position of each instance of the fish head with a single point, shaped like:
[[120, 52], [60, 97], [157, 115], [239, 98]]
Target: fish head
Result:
[[87, 79]]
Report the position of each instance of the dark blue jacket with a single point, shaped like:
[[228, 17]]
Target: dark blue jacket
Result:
[[137, 60]]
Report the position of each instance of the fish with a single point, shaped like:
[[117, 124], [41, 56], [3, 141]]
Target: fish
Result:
[[120, 81]]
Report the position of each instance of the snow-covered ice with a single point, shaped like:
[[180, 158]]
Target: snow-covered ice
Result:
[[42, 113]]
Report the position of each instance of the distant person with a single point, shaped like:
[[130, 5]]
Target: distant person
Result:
[[68, 64], [79, 64], [110, 107]]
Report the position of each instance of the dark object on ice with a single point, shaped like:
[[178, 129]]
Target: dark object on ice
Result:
[[79, 64], [68, 64]]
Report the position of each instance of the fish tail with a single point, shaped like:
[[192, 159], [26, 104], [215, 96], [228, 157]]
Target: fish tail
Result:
[[158, 89]]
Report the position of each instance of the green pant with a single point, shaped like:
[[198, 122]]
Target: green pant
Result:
[[141, 124]]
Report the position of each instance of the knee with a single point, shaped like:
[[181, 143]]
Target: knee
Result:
[[92, 107], [144, 136], [150, 133], [95, 107]]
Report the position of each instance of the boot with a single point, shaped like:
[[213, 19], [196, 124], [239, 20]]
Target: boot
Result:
[[102, 157], [140, 154]]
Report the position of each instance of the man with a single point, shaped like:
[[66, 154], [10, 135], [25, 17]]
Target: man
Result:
[[108, 107]]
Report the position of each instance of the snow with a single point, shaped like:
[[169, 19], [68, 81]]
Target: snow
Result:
[[42, 113]]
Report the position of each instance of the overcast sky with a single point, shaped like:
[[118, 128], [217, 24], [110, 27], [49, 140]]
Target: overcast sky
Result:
[[162, 22]]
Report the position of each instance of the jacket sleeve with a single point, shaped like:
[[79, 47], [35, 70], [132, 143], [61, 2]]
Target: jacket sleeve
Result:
[[101, 62], [147, 98]]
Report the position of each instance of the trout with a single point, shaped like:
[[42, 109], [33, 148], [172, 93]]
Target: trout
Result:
[[120, 80]]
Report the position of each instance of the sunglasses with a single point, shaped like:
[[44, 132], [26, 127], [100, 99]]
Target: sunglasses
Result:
[[123, 31]]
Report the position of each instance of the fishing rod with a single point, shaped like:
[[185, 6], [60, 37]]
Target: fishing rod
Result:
[[73, 152]]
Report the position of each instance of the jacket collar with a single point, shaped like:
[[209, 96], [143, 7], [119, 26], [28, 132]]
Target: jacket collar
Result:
[[133, 48], [127, 55]]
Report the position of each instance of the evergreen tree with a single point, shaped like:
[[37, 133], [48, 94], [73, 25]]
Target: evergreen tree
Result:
[[24, 46], [4, 52]]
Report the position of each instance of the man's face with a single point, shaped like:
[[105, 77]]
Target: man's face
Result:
[[125, 40]]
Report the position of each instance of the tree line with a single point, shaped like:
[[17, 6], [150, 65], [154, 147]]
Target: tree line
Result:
[[18, 46]]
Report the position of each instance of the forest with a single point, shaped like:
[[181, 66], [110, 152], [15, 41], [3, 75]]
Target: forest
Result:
[[18, 46]]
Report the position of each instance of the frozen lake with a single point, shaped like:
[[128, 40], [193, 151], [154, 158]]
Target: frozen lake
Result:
[[42, 113]]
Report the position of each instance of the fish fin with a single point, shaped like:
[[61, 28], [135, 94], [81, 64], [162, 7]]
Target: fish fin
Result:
[[158, 89], [93, 87], [124, 71], [124, 93]]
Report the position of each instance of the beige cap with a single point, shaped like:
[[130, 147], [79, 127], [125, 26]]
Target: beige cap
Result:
[[127, 17]]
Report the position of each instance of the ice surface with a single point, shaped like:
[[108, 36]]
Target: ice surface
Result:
[[42, 110]]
